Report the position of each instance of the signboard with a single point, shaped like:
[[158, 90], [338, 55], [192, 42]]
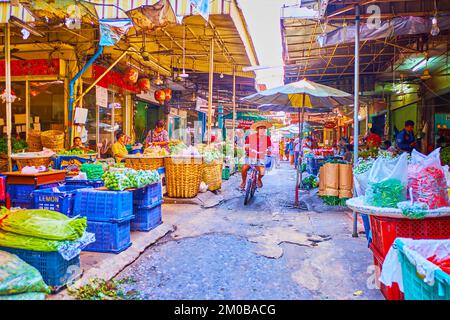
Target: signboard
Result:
[[101, 96], [244, 124], [330, 125]]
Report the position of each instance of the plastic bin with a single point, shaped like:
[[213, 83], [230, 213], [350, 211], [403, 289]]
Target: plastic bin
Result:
[[226, 173], [55, 270], [23, 193], [390, 293], [146, 219], [61, 201], [147, 197], [113, 237], [386, 230], [414, 287], [106, 206], [87, 183]]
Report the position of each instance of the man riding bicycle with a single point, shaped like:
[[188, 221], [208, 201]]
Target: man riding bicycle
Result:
[[257, 146]]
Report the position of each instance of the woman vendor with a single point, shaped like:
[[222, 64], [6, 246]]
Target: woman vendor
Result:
[[158, 137], [77, 144], [118, 149]]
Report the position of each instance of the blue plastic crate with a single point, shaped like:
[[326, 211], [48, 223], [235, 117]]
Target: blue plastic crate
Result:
[[55, 270], [146, 219], [22, 204], [87, 183], [105, 206], [414, 287], [62, 200], [148, 196], [23, 192], [113, 237]]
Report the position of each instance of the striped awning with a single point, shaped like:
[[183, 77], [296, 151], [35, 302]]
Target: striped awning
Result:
[[8, 10], [115, 9]]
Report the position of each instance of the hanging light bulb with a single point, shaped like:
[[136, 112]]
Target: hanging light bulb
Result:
[[434, 27], [221, 76], [158, 80]]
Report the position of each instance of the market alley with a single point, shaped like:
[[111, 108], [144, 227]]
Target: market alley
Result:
[[265, 250]]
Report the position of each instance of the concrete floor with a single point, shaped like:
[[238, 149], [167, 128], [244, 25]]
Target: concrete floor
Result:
[[266, 250]]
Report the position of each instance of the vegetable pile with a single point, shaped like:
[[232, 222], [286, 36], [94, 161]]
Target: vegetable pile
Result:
[[156, 151], [75, 152], [310, 182], [17, 145], [428, 185], [93, 171], [363, 166], [445, 156], [385, 194], [100, 289], [334, 201], [119, 181]]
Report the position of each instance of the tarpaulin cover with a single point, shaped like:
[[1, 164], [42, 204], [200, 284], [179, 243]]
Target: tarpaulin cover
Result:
[[396, 27]]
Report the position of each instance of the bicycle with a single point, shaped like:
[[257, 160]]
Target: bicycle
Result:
[[252, 178]]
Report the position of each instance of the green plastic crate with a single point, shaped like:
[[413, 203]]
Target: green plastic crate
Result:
[[413, 285], [226, 173]]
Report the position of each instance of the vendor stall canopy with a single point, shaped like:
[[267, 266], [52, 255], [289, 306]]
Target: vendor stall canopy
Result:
[[165, 35]]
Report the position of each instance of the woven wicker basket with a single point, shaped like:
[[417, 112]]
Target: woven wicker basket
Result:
[[53, 139], [212, 175], [183, 176], [144, 163], [32, 161], [34, 141]]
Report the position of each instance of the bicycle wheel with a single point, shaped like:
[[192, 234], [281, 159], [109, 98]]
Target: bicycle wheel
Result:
[[248, 190], [254, 186]]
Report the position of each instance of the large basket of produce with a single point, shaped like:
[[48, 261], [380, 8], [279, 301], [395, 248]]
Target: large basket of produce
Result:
[[212, 175], [34, 141], [183, 175], [31, 161], [53, 139]]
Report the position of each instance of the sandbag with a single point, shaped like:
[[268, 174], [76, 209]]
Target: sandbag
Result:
[[331, 172], [17, 276]]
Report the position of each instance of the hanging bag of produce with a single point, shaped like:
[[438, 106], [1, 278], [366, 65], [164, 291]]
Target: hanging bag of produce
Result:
[[387, 182], [426, 178]]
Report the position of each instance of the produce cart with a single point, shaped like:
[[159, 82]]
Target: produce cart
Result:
[[389, 223]]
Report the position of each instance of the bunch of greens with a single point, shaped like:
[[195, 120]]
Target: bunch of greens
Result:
[[177, 148], [388, 155], [445, 156], [363, 166], [93, 171], [16, 145], [334, 201], [100, 289], [211, 154], [385, 194], [40, 223], [310, 182]]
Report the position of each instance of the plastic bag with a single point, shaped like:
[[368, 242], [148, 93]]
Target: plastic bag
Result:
[[17, 276], [117, 181], [426, 178], [40, 223], [387, 182]]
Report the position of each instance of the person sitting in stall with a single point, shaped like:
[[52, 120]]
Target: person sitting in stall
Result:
[[77, 144], [158, 137], [373, 140], [405, 139], [118, 149]]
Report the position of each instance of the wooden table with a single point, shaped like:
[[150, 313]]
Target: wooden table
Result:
[[36, 179]]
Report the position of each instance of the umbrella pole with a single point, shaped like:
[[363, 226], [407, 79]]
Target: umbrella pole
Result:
[[299, 182], [210, 91]]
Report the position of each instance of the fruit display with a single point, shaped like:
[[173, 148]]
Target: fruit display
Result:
[[74, 152], [128, 179], [211, 153], [156, 151], [93, 171]]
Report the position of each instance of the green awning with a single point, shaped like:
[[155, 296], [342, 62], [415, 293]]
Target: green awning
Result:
[[251, 116]]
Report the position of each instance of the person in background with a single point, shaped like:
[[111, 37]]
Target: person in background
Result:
[[291, 151], [282, 147], [373, 140], [296, 150], [286, 149], [158, 137], [118, 149], [348, 156], [405, 139]]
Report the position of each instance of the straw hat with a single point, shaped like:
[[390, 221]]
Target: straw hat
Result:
[[258, 124]]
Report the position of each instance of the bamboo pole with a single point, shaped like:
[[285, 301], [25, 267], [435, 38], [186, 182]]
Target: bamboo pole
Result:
[[210, 92], [8, 92]]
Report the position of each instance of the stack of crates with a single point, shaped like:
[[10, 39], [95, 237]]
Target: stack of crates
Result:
[[147, 207], [61, 200], [21, 195], [109, 215]]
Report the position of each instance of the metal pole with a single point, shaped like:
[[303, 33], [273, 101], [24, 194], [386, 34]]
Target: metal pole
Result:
[[8, 92], [210, 92], [356, 93], [233, 135], [27, 108], [299, 182], [356, 109]]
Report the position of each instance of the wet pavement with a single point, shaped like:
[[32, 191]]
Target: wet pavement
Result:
[[266, 250]]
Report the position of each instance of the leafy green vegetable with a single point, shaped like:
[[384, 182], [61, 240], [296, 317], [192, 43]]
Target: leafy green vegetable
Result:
[[445, 156], [310, 182], [334, 201]]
